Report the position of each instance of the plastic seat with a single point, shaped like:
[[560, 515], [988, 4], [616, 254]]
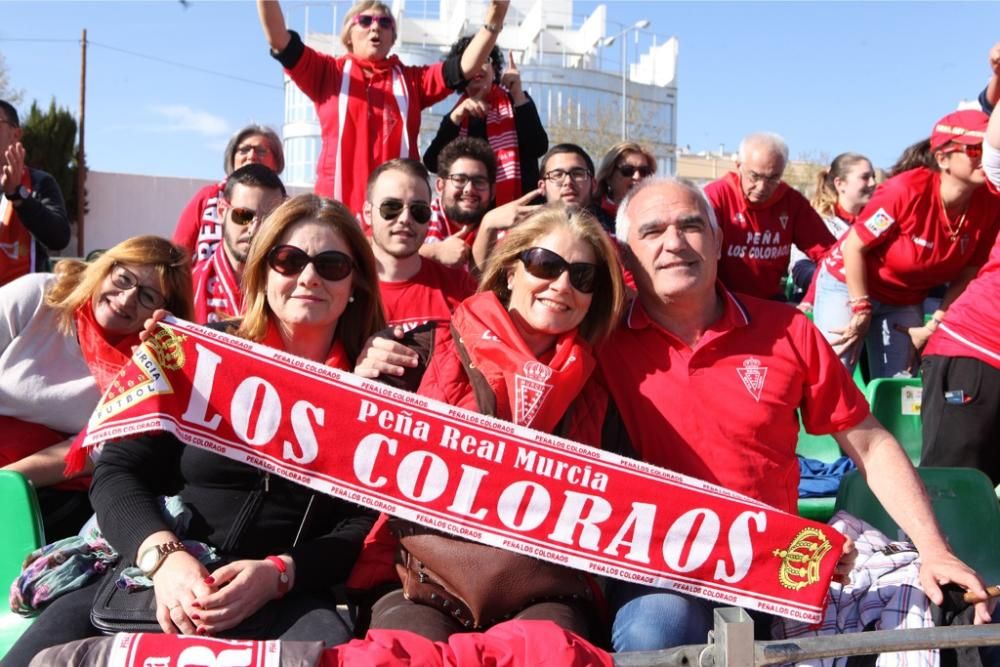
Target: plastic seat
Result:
[[822, 448], [895, 402], [964, 502], [22, 534]]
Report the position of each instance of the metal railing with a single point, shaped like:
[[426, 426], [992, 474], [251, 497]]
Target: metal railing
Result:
[[732, 644]]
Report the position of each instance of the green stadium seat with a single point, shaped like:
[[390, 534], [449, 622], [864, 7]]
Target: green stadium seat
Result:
[[964, 502], [22, 534], [822, 448], [895, 402]]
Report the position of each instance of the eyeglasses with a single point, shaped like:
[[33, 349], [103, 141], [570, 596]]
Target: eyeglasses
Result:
[[629, 170], [974, 151], [390, 209], [259, 151], [547, 265], [577, 174], [756, 178], [243, 216], [461, 180], [365, 21], [125, 280], [331, 265]]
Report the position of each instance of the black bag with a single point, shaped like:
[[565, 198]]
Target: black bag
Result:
[[118, 610]]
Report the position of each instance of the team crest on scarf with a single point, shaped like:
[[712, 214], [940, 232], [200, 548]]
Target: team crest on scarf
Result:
[[753, 375], [145, 377], [783, 219], [531, 391]]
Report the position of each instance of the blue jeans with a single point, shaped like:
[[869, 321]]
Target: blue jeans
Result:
[[649, 619], [890, 351]]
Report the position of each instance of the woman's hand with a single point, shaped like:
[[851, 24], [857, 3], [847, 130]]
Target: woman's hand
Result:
[[386, 356], [918, 335], [469, 107], [179, 581], [242, 588], [852, 336], [511, 80], [150, 326]]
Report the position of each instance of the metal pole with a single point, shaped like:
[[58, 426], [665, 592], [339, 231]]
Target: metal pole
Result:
[[624, 38], [81, 157]]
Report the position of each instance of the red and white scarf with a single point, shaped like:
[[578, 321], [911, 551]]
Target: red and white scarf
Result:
[[529, 392], [217, 294], [17, 248], [501, 132]]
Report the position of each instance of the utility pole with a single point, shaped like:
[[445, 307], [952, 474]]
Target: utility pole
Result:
[[81, 159]]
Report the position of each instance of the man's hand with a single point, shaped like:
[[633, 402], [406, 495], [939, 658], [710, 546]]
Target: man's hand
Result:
[[13, 168], [995, 59], [942, 568], [385, 356], [842, 573], [511, 80], [453, 251], [918, 335], [469, 107]]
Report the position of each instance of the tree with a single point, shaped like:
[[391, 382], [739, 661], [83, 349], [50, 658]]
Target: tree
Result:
[[49, 140], [6, 92]]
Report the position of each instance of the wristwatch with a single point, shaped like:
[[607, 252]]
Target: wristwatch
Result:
[[152, 558], [18, 195], [492, 27]]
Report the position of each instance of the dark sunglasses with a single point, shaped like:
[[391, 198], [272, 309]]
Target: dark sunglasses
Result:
[[390, 209], [242, 216], [629, 170], [366, 20], [331, 265], [125, 280], [547, 265]]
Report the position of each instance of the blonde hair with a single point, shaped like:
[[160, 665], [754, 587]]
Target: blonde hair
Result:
[[826, 196], [78, 282], [610, 160], [360, 319], [377, 5], [609, 290]]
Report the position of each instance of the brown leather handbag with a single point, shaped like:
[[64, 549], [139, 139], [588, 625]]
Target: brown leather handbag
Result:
[[479, 585]]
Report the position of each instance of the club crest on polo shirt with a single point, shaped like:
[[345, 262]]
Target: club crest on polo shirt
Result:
[[783, 219], [753, 376], [879, 222], [530, 390]]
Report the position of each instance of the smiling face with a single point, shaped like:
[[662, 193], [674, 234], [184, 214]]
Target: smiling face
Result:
[[373, 42], [543, 309], [402, 236], [962, 162], [675, 249], [117, 308], [306, 300], [855, 189], [468, 203]]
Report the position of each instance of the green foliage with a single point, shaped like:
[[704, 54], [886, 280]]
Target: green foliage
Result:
[[7, 93], [49, 140]]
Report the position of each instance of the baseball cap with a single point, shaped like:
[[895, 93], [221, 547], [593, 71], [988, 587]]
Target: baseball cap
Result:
[[963, 127]]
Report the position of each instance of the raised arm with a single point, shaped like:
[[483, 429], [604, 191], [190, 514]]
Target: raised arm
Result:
[[272, 21], [484, 40]]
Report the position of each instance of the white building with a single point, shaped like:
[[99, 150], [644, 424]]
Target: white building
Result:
[[570, 70]]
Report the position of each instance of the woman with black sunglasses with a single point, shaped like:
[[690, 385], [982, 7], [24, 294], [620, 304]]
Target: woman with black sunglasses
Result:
[[625, 164], [367, 101], [310, 289], [551, 291], [63, 338]]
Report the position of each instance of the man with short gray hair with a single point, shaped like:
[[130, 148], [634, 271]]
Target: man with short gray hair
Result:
[[747, 369], [762, 217]]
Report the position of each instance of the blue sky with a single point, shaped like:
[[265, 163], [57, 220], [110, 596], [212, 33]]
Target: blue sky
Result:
[[869, 77]]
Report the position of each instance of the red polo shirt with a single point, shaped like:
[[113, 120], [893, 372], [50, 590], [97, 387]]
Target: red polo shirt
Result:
[[757, 238], [912, 246], [432, 294], [726, 411]]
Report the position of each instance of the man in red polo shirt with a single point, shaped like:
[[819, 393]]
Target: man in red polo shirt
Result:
[[397, 210], [746, 368], [761, 218]]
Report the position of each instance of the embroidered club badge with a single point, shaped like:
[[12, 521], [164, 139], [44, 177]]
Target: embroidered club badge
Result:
[[530, 390], [753, 375], [783, 219], [879, 222]]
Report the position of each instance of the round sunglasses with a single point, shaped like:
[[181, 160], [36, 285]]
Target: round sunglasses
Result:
[[547, 265], [331, 265], [390, 209]]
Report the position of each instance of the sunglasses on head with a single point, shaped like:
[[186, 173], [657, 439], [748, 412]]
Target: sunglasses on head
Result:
[[365, 21], [547, 265], [629, 170], [331, 265], [390, 209], [125, 280]]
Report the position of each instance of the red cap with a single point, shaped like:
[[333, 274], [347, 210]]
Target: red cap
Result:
[[962, 127]]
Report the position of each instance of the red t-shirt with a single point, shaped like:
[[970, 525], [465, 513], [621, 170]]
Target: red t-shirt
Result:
[[432, 294], [906, 231], [757, 238], [971, 326], [199, 228], [727, 411]]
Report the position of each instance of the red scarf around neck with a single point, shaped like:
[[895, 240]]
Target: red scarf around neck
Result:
[[335, 358], [528, 391], [501, 133], [841, 213], [217, 294]]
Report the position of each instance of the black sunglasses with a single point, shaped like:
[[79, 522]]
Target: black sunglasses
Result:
[[365, 21], [547, 265], [390, 209], [242, 216], [628, 170], [331, 265]]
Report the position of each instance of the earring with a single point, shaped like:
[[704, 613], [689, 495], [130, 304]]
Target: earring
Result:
[[350, 299]]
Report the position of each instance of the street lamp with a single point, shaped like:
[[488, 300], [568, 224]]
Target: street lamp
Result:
[[608, 41]]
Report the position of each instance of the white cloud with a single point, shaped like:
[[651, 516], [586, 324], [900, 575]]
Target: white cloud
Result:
[[182, 118]]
